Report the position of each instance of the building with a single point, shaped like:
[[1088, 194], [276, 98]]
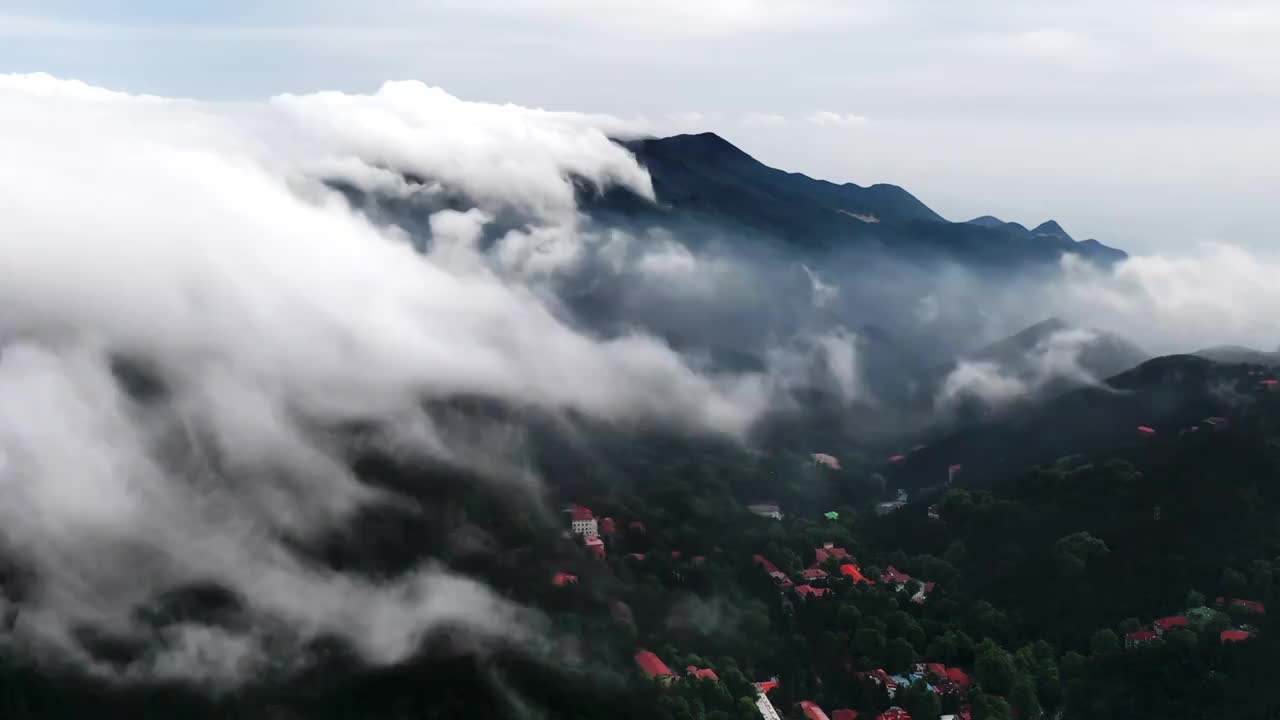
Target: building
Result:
[[766, 510], [582, 521], [807, 591], [827, 551], [1140, 638], [812, 711], [958, 676], [1165, 624], [561, 579], [653, 666], [1229, 636], [844, 714], [923, 593], [895, 713], [608, 526], [767, 711], [1217, 423], [701, 673], [853, 571], [595, 546], [1147, 431], [814, 573], [826, 460], [895, 577]]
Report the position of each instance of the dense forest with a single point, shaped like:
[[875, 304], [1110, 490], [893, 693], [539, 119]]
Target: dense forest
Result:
[[1031, 595]]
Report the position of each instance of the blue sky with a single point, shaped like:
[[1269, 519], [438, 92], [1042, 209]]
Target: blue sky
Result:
[[1147, 124]]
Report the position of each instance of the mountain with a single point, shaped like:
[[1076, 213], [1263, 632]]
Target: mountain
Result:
[[1240, 354], [1168, 394], [1101, 354], [704, 179]]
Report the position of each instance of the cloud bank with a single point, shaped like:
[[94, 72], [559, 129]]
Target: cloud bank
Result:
[[205, 242]]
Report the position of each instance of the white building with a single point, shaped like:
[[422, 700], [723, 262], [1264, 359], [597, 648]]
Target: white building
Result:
[[582, 521], [766, 510], [766, 708]]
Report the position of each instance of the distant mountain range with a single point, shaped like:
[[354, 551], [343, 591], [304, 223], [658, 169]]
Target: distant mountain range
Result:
[[705, 179]]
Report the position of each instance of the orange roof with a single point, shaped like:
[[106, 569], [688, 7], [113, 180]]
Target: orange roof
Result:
[[651, 664]]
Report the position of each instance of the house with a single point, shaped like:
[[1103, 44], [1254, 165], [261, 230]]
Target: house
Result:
[[894, 577], [1165, 624], [937, 669], [1147, 431], [805, 591], [653, 666], [935, 512], [828, 550], [826, 460], [894, 713], [1217, 423], [897, 458], [638, 557], [951, 472], [1272, 385], [561, 579], [595, 546], [767, 711], [1227, 636], [582, 521], [853, 571], [812, 711], [844, 714], [831, 515], [773, 511], [608, 526], [702, 673], [958, 676], [923, 593], [814, 573], [1140, 638], [1250, 606], [886, 508], [767, 685]]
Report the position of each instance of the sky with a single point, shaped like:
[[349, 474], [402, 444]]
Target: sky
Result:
[[1148, 124]]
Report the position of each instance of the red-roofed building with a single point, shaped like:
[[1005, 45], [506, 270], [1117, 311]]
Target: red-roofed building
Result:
[[1165, 624], [764, 562], [828, 551], [1270, 384], [812, 711], [805, 591], [937, 669], [814, 573], [582, 521], [766, 686], [923, 593], [853, 571], [702, 673], [675, 554], [608, 526], [893, 576], [652, 665], [827, 460], [561, 579], [958, 676], [781, 580], [1140, 638], [895, 713], [639, 557], [844, 714], [595, 546], [1146, 430], [1227, 636], [897, 458], [1251, 606]]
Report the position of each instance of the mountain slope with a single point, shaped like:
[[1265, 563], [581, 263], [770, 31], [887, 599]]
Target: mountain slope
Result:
[[704, 178]]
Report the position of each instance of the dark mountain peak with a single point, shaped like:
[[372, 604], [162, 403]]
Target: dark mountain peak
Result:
[[705, 146], [1052, 228], [987, 221]]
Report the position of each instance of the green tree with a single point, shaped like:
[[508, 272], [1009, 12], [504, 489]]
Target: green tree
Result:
[[1129, 625], [993, 667], [919, 701], [1104, 642], [747, 709], [1023, 700], [1073, 552], [869, 642], [1195, 599], [899, 655], [990, 707]]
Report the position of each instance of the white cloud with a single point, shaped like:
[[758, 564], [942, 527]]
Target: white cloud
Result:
[[707, 17], [825, 118], [1049, 42], [199, 238]]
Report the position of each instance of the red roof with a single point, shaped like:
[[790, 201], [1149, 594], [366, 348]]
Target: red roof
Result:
[[893, 576], [563, 578], [766, 686], [1252, 606], [781, 578], [1141, 636], [812, 711], [702, 674], [821, 554], [764, 561], [608, 526], [1173, 621], [580, 512], [897, 458], [1146, 430], [937, 669], [1234, 635], [651, 664], [958, 677], [806, 590], [595, 546], [855, 572], [814, 573], [844, 714], [1270, 382], [895, 713]]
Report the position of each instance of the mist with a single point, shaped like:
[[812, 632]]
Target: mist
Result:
[[279, 270]]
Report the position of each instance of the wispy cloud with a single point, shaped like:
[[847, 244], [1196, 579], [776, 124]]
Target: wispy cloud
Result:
[[764, 119], [824, 118]]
